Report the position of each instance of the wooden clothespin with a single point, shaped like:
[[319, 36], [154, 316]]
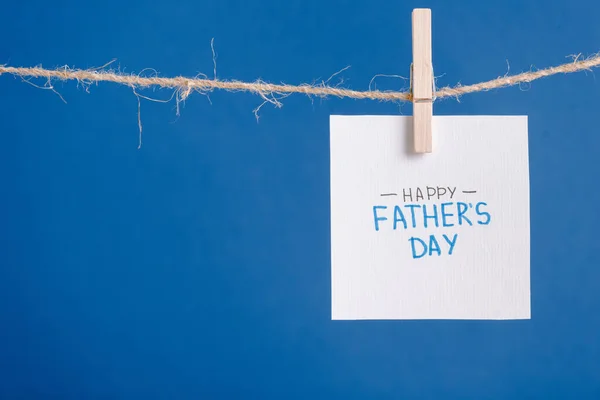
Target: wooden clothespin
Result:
[[422, 80]]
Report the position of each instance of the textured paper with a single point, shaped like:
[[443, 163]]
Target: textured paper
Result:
[[475, 186]]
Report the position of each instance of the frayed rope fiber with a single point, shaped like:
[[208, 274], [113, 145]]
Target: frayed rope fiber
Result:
[[184, 86]]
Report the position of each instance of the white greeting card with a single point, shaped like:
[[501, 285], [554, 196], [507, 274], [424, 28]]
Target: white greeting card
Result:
[[430, 236]]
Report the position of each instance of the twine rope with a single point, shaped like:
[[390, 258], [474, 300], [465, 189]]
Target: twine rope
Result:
[[268, 91]]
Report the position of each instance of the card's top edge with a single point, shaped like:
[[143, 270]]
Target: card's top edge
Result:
[[435, 116]]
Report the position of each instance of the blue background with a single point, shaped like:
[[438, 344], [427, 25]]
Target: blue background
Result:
[[198, 266]]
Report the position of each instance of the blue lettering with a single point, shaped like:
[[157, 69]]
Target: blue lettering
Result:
[[433, 242], [452, 242], [377, 218], [412, 213], [483, 213], [434, 216], [412, 245], [446, 215], [399, 217], [462, 209]]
